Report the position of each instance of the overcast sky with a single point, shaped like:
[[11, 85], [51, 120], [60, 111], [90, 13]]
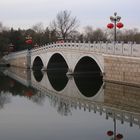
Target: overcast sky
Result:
[[25, 13]]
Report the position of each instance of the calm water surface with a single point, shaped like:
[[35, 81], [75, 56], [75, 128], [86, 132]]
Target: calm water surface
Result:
[[51, 106]]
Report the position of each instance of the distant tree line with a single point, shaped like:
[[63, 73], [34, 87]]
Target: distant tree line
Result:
[[63, 27]]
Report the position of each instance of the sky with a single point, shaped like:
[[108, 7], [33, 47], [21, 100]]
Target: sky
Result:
[[26, 13]]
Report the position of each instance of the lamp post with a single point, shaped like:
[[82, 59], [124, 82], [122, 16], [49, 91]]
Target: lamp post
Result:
[[116, 23], [29, 41], [113, 134]]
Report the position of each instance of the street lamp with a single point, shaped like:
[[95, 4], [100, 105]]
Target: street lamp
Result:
[[116, 23], [113, 134]]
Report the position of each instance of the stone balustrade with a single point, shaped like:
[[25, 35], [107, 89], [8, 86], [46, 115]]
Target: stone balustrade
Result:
[[122, 49]]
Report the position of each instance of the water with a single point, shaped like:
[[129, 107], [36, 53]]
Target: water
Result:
[[51, 106]]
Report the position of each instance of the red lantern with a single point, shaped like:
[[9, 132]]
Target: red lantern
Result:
[[29, 93], [29, 41], [120, 25], [110, 25], [119, 136], [110, 133]]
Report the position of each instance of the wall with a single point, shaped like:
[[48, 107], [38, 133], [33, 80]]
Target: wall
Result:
[[20, 62], [122, 69], [122, 97], [18, 59]]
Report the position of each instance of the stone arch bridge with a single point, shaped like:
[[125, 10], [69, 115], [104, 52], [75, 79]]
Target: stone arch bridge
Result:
[[117, 62]]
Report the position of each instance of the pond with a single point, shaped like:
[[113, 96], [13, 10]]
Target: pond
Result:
[[36, 105]]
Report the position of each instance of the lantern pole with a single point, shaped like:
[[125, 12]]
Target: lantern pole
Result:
[[113, 134], [29, 52], [115, 27], [115, 19], [27, 39], [114, 120]]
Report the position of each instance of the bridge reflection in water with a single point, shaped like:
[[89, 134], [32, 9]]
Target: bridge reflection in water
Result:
[[119, 102]]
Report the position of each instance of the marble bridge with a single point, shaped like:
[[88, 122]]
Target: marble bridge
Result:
[[117, 62]]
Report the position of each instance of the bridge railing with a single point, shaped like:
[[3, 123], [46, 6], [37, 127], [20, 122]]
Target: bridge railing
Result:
[[122, 49], [15, 55], [129, 49]]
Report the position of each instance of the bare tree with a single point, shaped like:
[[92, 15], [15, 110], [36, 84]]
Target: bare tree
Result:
[[38, 27], [94, 35], [89, 33], [129, 35], [64, 24]]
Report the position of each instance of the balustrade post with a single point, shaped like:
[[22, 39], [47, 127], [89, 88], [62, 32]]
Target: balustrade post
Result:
[[71, 44], [131, 120], [75, 44], [122, 118], [114, 46], [132, 48], [106, 47], [79, 44], [89, 45], [100, 46], [66, 43], [84, 46], [94, 46], [122, 48], [89, 107]]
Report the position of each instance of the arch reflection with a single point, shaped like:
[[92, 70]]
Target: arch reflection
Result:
[[38, 75], [88, 84], [58, 79], [37, 64]]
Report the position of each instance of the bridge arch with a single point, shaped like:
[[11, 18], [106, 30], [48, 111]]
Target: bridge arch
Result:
[[91, 62], [57, 61], [37, 63], [71, 59], [46, 58]]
